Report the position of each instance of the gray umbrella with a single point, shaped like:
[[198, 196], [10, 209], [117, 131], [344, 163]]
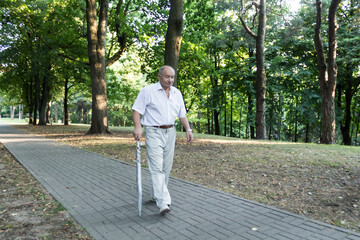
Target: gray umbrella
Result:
[[138, 175]]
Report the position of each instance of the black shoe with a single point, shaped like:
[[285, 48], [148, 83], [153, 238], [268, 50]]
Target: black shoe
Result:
[[164, 209]]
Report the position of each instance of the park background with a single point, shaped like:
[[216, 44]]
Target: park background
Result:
[[46, 72]]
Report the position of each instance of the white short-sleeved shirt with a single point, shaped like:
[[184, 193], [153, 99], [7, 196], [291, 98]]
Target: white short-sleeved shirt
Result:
[[156, 108]]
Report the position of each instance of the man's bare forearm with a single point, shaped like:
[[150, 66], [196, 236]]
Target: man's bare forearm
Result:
[[137, 125]]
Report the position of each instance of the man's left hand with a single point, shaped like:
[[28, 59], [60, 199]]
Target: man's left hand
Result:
[[189, 136]]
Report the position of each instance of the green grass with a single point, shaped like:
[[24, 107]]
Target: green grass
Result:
[[14, 121]]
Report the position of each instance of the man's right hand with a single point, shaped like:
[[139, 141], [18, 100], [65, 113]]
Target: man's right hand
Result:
[[137, 125], [137, 133]]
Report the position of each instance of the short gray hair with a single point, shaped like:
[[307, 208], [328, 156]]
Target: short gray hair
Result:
[[163, 67]]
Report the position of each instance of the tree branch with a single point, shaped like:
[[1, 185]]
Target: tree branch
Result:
[[115, 57], [127, 8], [242, 11], [247, 29]]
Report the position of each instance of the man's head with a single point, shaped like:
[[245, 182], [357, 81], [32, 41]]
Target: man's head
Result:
[[166, 76]]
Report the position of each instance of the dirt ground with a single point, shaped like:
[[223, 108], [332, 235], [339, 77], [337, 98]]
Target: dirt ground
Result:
[[317, 181], [27, 211]]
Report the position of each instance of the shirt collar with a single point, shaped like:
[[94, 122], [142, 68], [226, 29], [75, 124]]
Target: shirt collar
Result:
[[159, 87]]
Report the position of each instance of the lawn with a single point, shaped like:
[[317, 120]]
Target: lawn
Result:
[[318, 181]]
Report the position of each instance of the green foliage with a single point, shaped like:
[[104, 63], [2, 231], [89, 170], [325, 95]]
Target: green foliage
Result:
[[44, 36], [217, 69], [123, 82]]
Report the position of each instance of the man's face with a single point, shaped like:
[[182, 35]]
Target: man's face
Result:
[[167, 78]]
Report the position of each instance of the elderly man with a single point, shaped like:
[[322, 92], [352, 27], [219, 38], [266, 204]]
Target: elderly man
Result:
[[159, 104]]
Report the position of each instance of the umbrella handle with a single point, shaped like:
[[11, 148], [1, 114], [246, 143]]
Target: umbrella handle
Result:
[[138, 152]]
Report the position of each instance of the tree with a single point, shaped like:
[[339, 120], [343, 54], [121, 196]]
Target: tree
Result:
[[196, 69], [41, 48], [173, 35], [327, 72], [124, 36], [348, 65], [260, 122], [96, 35]]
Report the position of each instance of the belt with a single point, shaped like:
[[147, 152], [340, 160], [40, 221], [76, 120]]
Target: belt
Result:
[[164, 126]]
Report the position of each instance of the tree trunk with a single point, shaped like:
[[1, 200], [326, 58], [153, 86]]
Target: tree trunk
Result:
[[307, 129], [271, 117], [30, 99], [37, 97], [12, 112], [327, 74], [260, 121], [55, 112], [345, 129], [216, 122], [270, 132], [82, 115], [45, 98], [173, 35], [225, 114], [21, 109], [357, 129], [66, 111], [240, 117], [96, 36], [198, 124], [29, 92], [48, 113], [279, 122], [209, 121], [296, 119], [216, 96], [351, 85], [250, 116], [231, 114], [30, 117]]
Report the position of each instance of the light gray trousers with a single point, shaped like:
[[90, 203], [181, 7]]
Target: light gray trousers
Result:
[[160, 145]]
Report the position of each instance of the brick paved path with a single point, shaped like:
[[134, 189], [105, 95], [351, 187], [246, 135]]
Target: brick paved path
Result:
[[100, 194]]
